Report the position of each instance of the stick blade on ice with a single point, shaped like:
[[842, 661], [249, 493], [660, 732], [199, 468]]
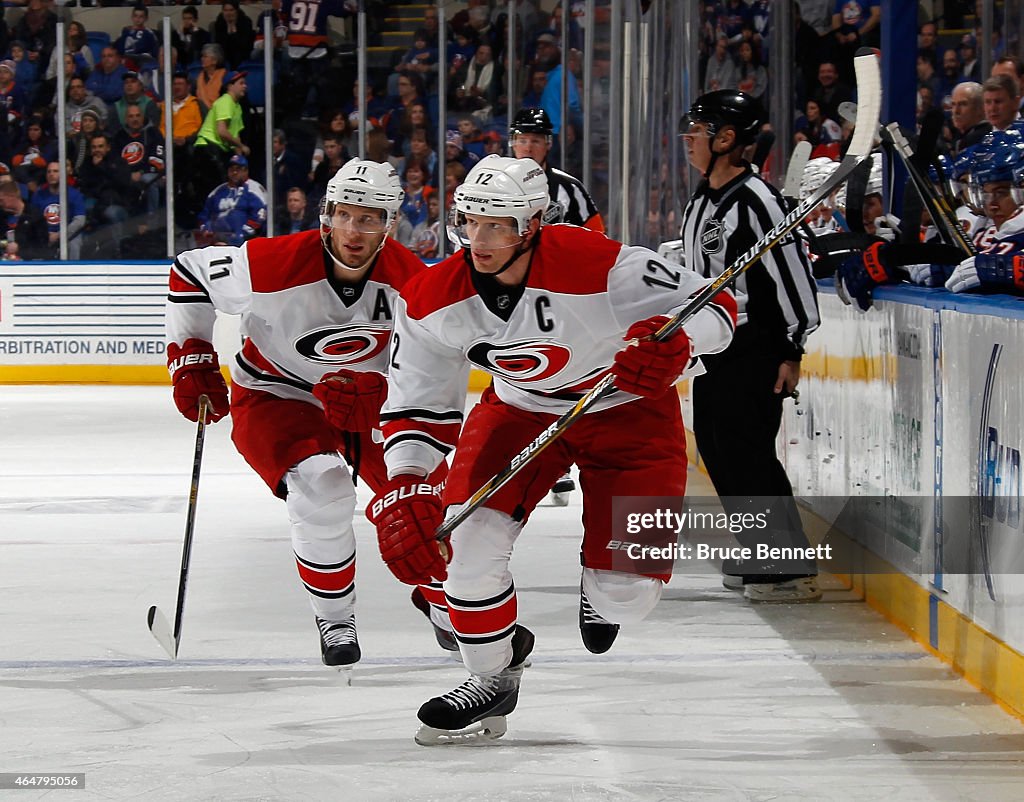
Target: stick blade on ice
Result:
[[161, 629]]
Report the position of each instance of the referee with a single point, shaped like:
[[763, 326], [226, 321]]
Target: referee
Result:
[[737, 403]]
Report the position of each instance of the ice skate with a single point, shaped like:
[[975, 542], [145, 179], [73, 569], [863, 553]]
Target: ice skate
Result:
[[598, 634], [339, 645], [788, 591], [445, 638], [561, 489], [475, 711]]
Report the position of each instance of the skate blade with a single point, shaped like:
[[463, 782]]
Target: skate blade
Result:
[[481, 732], [344, 673], [732, 582], [797, 593], [559, 499]]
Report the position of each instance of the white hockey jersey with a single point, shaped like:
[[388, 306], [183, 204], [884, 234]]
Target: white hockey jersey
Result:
[[298, 323], [545, 343]]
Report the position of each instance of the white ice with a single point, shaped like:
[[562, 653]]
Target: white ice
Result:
[[710, 699]]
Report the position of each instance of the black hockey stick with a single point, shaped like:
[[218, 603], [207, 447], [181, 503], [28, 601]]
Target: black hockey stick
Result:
[[942, 213], [158, 625], [869, 86]]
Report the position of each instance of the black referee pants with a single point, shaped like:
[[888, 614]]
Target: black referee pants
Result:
[[736, 419]]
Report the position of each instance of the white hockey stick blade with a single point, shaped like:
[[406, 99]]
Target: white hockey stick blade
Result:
[[795, 171], [848, 111], [161, 629]]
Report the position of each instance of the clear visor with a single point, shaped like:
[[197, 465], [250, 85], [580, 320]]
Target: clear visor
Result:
[[482, 233], [362, 221], [980, 199]]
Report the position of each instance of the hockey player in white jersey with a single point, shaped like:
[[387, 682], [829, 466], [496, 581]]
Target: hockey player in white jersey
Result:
[[547, 312], [307, 386]]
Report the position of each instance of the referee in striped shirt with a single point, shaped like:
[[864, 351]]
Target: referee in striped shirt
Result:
[[737, 403]]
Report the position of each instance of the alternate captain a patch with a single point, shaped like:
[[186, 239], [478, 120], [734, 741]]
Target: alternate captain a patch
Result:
[[711, 236]]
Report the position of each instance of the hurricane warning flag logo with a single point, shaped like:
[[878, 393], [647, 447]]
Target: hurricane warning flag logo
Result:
[[524, 361], [343, 345]]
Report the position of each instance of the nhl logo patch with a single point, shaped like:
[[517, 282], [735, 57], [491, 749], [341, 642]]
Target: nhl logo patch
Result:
[[711, 236]]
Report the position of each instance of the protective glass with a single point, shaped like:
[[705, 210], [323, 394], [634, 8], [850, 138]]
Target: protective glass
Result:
[[484, 233], [369, 221]]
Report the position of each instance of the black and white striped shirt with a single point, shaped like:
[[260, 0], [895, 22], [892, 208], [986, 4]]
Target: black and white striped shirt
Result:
[[777, 295], [578, 208]]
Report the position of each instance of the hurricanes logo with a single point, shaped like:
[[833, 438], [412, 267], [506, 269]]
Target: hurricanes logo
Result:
[[343, 345], [52, 214], [524, 361], [133, 152], [711, 236]]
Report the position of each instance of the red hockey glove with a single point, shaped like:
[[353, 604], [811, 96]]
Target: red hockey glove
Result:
[[650, 367], [352, 401], [195, 371], [407, 513]]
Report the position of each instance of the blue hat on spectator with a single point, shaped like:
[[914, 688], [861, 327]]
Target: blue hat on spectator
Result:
[[240, 160], [234, 76]]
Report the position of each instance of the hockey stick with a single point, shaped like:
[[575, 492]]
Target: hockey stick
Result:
[[869, 85], [795, 172], [942, 214], [158, 625]]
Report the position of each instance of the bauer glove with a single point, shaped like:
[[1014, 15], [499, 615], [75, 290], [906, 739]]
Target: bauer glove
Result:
[[649, 367], [195, 371], [352, 400]]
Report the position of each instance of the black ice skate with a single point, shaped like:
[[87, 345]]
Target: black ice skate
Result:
[[561, 489], [598, 634], [445, 638], [338, 643], [476, 710]]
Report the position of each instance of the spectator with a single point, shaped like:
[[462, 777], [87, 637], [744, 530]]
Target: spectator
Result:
[[137, 41], [422, 238], [551, 98], [493, 143], [855, 24], [927, 41], [971, 70], [13, 97], [414, 117], [948, 79], [134, 94], [815, 128], [219, 135], [307, 49], [296, 215], [478, 84], [377, 109], [106, 183], [751, 77], [37, 29], [77, 43], [288, 168], [410, 93], [454, 175], [926, 76], [335, 157], [47, 200], [141, 147], [33, 154], [806, 47], [232, 30], [211, 78], [830, 92], [107, 80], [721, 69], [421, 58], [79, 143], [453, 151], [235, 211], [414, 207], [25, 224], [279, 32], [537, 81], [969, 120], [1009, 65], [421, 151], [336, 123], [1001, 98], [186, 115], [378, 148], [189, 39], [26, 72], [473, 140]]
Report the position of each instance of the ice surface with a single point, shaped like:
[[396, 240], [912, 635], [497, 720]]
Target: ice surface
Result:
[[710, 699]]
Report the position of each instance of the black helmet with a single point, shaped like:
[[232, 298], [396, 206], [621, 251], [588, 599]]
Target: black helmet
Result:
[[531, 121], [727, 107]]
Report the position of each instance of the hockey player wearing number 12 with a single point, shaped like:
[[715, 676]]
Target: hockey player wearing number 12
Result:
[[547, 312], [737, 403], [308, 384]]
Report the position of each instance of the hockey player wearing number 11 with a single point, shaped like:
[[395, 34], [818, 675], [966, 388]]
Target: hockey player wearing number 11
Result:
[[548, 312], [308, 384]]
